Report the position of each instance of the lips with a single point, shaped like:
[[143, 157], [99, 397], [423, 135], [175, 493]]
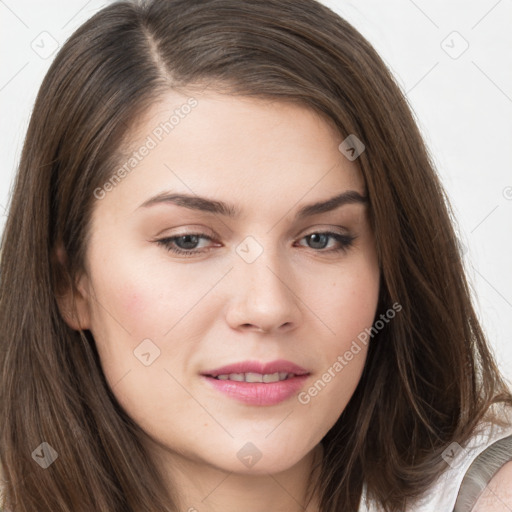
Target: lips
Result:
[[256, 383], [273, 367]]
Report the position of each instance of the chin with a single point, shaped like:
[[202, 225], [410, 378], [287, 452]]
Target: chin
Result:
[[257, 458]]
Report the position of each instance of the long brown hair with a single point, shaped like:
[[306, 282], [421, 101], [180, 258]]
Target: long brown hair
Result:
[[429, 377]]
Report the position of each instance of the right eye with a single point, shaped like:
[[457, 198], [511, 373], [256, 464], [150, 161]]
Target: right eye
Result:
[[184, 244]]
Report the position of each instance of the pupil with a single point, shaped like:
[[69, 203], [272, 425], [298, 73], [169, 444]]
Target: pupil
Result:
[[315, 237], [187, 239]]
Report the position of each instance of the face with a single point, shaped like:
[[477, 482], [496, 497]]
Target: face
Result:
[[219, 303]]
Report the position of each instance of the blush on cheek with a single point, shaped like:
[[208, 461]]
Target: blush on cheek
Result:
[[133, 302], [136, 292], [145, 308]]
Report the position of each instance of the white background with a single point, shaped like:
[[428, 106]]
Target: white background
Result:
[[463, 104]]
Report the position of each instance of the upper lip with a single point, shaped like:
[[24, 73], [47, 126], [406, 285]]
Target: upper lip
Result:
[[277, 366]]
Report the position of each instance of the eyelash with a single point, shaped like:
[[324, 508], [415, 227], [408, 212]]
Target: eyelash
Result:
[[346, 242]]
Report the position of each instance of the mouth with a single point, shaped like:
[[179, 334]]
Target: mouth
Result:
[[255, 383], [273, 370], [255, 377]]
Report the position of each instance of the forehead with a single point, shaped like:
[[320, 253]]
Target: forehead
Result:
[[234, 147]]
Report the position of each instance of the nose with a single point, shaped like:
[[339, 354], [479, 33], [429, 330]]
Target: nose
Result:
[[263, 295]]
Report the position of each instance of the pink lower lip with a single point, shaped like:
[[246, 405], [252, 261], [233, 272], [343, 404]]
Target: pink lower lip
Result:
[[259, 393]]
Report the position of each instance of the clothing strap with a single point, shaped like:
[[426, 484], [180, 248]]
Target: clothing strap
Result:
[[481, 472]]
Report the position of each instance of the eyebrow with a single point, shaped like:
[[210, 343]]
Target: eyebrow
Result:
[[204, 204]]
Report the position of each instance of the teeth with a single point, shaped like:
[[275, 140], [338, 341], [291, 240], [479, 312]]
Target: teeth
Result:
[[253, 377], [256, 377]]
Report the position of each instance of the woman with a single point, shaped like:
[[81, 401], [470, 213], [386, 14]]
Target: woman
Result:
[[230, 279]]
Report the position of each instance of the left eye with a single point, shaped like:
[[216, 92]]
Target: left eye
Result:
[[186, 244], [321, 239]]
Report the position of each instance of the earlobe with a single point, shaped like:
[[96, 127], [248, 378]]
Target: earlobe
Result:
[[72, 297]]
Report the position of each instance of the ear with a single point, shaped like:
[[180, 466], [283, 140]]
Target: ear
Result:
[[72, 297]]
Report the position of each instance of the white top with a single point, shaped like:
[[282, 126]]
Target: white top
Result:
[[442, 495]]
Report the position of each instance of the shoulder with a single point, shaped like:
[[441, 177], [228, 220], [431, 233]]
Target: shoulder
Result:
[[476, 472], [497, 496]]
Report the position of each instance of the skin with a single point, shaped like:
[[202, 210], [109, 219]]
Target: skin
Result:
[[296, 301], [497, 496]]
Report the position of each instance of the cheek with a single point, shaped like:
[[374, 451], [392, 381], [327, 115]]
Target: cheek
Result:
[[352, 302], [141, 294], [144, 306], [349, 310], [135, 299]]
